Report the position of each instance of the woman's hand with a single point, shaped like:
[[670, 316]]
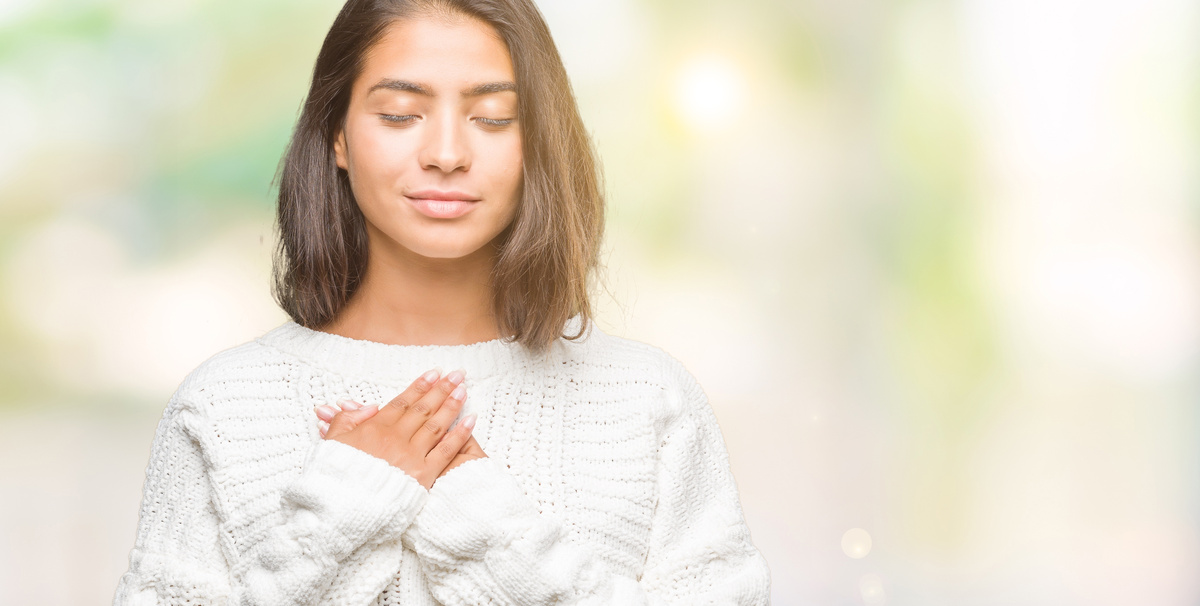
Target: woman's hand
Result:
[[411, 432], [470, 450]]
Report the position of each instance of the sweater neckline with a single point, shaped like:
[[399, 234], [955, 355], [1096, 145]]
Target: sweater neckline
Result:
[[393, 364]]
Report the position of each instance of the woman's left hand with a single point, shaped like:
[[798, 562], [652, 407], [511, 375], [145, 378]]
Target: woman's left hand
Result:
[[471, 450]]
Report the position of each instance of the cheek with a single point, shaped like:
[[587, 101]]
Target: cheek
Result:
[[510, 165], [375, 156]]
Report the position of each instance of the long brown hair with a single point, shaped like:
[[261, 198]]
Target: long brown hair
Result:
[[548, 255]]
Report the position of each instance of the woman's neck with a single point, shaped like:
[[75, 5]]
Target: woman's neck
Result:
[[406, 299]]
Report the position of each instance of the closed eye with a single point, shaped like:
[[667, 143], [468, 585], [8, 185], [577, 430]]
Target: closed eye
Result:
[[491, 122], [397, 119], [406, 119]]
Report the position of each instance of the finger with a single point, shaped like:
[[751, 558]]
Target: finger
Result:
[[347, 420], [418, 388], [422, 409], [452, 443], [473, 447], [326, 412], [440, 421], [348, 404], [466, 447]]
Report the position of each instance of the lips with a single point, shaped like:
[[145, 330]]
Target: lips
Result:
[[442, 204]]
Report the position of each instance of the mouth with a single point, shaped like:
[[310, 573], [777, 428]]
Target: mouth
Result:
[[442, 209]]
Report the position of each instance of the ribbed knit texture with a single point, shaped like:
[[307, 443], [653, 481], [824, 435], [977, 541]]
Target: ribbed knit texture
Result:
[[607, 482]]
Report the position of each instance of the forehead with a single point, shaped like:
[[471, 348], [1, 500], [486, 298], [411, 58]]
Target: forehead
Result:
[[446, 53]]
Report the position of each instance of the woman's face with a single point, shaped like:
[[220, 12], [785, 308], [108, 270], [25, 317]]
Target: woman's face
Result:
[[431, 142]]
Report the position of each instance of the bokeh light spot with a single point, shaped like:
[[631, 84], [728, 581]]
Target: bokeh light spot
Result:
[[871, 588], [708, 92], [856, 543]]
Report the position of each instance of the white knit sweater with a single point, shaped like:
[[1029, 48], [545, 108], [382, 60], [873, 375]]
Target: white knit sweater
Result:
[[607, 482]]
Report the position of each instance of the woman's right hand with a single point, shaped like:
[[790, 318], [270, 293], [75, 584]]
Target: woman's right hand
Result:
[[411, 431]]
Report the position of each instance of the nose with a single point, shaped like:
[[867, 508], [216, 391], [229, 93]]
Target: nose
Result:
[[445, 146]]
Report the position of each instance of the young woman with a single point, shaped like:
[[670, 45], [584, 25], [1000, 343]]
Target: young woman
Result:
[[439, 208]]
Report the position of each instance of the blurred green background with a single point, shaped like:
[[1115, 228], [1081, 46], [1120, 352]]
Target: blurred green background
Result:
[[935, 263]]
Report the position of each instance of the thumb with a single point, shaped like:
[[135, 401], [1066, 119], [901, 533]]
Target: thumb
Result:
[[347, 420]]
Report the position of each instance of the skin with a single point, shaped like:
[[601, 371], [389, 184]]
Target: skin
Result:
[[427, 279]]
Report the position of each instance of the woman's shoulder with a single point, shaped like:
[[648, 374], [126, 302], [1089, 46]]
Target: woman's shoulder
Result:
[[604, 349], [245, 364], [637, 364]]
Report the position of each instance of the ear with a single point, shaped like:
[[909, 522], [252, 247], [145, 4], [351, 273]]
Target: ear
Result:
[[339, 149]]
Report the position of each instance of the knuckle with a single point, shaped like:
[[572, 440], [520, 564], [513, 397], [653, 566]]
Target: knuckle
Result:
[[364, 433], [433, 427], [386, 443]]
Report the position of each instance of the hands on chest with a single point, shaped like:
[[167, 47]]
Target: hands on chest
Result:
[[413, 431]]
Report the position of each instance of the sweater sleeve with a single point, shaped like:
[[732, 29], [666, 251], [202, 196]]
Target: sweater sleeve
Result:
[[483, 541], [342, 498]]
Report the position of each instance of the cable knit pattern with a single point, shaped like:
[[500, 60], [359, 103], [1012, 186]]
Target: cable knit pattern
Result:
[[607, 482]]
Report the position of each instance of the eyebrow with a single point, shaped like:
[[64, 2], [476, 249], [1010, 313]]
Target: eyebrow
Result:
[[486, 88]]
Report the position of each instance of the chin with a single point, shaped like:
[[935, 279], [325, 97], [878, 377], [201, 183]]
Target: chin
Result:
[[445, 250], [441, 242]]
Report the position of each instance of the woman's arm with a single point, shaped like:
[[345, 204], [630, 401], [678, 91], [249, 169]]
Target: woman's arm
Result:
[[342, 499], [700, 549], [482, 540]]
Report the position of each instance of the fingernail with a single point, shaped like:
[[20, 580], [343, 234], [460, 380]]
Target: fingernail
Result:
[[348, 404], [468, 421], [432, 375], [326, 412], [459, 393], [456, 376]]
